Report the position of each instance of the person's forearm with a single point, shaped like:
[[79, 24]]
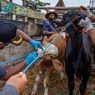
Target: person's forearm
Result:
[[93, 17], [14, 70], [48, 33], [92, 36], [25, 36]]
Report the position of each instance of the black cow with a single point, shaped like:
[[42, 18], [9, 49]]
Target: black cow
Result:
[[78, 52]]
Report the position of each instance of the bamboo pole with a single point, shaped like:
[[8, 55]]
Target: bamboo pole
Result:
[[61, 8]]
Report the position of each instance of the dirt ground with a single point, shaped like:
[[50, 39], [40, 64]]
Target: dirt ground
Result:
[[57, 86]]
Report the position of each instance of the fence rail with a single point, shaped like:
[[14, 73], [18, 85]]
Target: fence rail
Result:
[[63, 8]]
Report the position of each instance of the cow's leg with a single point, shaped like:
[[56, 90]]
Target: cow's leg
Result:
[[37, 80], [83, 85], [70, 77], [47, 79], [71, 83]]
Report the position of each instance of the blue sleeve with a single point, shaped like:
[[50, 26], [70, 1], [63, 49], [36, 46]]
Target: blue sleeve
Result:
[[9, 90], [46, 26]]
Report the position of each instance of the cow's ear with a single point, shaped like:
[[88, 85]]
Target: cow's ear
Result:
[[45, 40]]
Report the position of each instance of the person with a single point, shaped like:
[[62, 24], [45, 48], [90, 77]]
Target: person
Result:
[[87, 11], [49, 26], [87, 24], [15, 85], [9, 33]]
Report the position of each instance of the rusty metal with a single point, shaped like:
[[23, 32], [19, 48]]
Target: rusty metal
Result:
[[61, 8]]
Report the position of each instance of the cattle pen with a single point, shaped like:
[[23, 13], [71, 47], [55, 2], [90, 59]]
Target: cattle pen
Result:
[[28, 20]]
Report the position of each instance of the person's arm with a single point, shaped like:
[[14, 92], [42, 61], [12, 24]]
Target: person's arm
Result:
[[11, 70], [9, 90], [93, 17], [46, 27], [35, 44], [8, 72], [24, 36], [92, 35], [89, 28], [15, 85], [47, 33]]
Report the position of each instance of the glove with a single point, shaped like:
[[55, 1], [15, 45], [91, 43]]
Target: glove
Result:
[[88, 13], [36, 44], [31, 57], [86, 23]]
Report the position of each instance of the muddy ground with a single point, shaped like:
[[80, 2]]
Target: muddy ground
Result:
[[57, 86]]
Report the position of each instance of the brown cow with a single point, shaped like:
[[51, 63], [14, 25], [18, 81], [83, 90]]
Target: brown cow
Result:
[[51, 62]]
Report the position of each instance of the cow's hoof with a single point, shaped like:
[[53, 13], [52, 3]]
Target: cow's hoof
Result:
[[46, 91]]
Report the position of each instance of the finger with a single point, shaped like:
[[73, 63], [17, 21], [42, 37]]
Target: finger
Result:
[[21, 74], [80, 22], [40, 46], [24, 76]]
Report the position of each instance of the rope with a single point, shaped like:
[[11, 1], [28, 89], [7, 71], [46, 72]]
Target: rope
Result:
[[13, 59], [21, 56], [68, 24]]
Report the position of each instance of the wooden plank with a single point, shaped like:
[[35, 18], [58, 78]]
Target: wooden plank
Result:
[[9, 7]]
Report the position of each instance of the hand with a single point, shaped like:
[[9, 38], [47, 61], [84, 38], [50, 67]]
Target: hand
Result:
[[18, 81], [86, 11], [86, 23], [36, 44], [31, 57]]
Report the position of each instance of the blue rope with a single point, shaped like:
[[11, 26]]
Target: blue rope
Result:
[[45, 49], [57, 36], [21, 56], [13, 59]]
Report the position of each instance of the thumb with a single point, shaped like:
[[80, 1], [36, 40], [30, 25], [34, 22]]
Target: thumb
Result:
[[80, 22], [40, 46], [36, 48]]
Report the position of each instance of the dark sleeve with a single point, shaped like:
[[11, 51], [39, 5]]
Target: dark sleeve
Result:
[[3, 73], [46, 26], [7, 31], [9, 90]]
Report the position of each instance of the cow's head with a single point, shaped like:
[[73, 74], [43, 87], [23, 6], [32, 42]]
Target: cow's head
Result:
[[51, 55], [74, 17]]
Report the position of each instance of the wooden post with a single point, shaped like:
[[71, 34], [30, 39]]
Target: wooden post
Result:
[[11, 1], [14, 17], [26, 19]]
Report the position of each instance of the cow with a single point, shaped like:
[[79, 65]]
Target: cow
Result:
[[78, 56], [51, 61]]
